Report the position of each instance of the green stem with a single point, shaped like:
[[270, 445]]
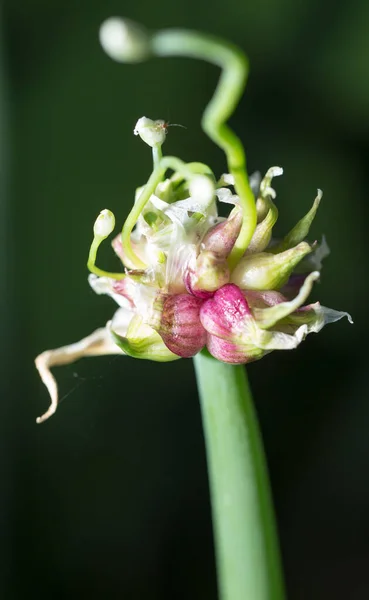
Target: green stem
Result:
[[246, 544], [231, 85], [155, 178], [156, 155], [96, 242]]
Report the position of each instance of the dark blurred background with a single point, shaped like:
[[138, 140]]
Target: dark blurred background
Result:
[[109, 499]]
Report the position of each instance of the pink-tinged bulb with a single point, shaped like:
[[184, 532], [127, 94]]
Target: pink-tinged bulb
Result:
[[225, 313], [227, 319], [190, 283], [222, 237], [209, 274], [180, 326], [210, 270], [267, 271], [226, 351]]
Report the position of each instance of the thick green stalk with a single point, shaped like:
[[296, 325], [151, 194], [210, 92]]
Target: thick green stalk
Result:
[[246, 544]]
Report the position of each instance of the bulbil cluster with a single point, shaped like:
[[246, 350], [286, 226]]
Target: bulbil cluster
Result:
[[189, 278]]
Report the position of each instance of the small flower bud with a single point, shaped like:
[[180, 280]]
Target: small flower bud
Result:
[[151, 132], [124, 40], [265, 271], [104, 224]]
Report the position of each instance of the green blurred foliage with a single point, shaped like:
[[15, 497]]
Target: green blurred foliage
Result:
[[109, 498]]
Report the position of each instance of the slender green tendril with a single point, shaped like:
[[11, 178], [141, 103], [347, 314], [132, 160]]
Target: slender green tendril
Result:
[[234, 65], [92, 258]]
